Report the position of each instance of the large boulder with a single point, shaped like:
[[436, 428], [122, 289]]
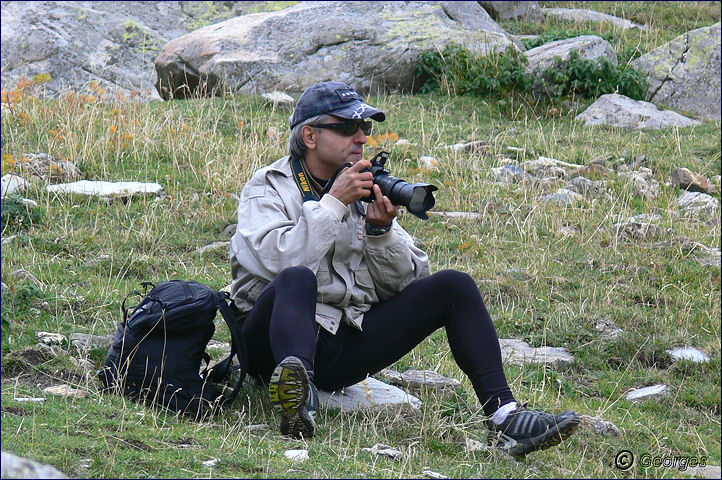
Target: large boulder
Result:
[[111, 43], [684, 74], [590, 47], [620, 111], [512, 10], [19, 467], [584, 15], [371, 45]]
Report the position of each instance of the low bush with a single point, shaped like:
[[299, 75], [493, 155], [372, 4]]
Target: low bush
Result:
[[458, 71]]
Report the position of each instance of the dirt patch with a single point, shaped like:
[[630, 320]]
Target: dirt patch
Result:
[[20, 412], [41, 380]]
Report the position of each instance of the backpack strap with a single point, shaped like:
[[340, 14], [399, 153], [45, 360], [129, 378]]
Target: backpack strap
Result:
[[238, 347]]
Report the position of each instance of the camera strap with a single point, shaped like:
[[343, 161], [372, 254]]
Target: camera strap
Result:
[[303, 179]]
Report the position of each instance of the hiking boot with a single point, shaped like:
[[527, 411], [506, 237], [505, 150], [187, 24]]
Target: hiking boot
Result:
[[295, 397], [525, 430]]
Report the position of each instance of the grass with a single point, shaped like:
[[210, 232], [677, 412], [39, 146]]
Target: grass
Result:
[[539, 285]]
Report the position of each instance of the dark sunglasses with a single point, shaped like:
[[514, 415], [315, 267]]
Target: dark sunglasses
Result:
[[348, 128]]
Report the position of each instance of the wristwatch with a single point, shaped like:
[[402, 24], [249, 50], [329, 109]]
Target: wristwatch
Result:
[[376, 230]]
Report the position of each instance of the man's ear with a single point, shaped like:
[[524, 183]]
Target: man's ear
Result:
[[310, 136]]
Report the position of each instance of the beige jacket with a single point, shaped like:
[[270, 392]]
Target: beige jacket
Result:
[[277, 230]]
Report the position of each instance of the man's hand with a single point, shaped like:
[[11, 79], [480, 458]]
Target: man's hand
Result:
[[352, 184], [381, 212]]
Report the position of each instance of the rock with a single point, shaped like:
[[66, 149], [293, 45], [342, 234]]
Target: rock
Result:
[[638, 231], [519, 352], [212, 246], [85, 342], [431, 473], [471, 445], [49, 338], [698, 203], [259, 427], [230, 230], [65, 391], [593, 170], [707, 471], [473, 147], [623, 112], [688, 353], [508, 174], [528, 11], [23, 274], [85, 366], [548, 167], [19, 467], [599, 426], [464, 215], [280, 99], [296, 455], [47, 168], [373, 46], [12, 183], [5, 288], [590, 47], [642, 182], [428, 162], [211, 463], [419, 380], [584, 15], [7, 241], [369, 393], [647, 392], [584, 186], [684, 74], [29, 399], [691, 181], [645, 218], [101, 48], [104, 189], [563, 197], [223, 346], [567, 229], [385, 450], [608, 328]]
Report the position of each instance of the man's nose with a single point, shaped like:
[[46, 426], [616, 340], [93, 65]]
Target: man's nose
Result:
[[360, 136]]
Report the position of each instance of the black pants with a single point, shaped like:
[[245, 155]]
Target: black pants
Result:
[[282, 323]]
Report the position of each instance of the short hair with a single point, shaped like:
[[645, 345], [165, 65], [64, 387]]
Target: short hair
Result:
[[296, 146]]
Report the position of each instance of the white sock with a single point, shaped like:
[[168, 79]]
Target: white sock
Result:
[[500, 415]]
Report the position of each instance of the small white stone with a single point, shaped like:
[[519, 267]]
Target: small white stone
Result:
[[29, 399], [211, 462], [49, 338], [296, 455], [65, 391], [428, 162], [688, 353], [385, 450], [647, 392], [432, 474]]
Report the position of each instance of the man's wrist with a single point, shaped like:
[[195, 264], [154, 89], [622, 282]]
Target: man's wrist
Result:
[[376, 230]]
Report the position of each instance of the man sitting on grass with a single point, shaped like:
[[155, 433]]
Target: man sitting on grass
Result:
[[335, 290]]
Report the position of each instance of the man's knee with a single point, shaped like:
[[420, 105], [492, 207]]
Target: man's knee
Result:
[[297, 276], [457, 285]]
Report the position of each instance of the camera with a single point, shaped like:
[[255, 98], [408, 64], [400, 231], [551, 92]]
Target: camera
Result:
[[417, 198]]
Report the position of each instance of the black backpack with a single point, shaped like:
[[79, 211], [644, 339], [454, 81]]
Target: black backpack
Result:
[[157, 349]]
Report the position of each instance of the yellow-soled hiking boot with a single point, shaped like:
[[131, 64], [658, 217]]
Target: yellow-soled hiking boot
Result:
[[295, 397]]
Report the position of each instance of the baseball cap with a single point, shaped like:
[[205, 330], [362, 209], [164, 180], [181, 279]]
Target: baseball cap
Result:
[[334, 98]]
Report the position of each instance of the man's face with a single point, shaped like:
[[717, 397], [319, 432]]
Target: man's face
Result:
[[337, 145]]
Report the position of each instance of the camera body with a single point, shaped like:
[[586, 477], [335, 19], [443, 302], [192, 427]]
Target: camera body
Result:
[[417, 198]]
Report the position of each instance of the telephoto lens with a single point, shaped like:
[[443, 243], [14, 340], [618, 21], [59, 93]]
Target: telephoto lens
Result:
[[417, 198]]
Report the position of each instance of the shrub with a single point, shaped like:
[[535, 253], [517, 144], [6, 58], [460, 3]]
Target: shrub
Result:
[[590, 79], [456, 70]]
